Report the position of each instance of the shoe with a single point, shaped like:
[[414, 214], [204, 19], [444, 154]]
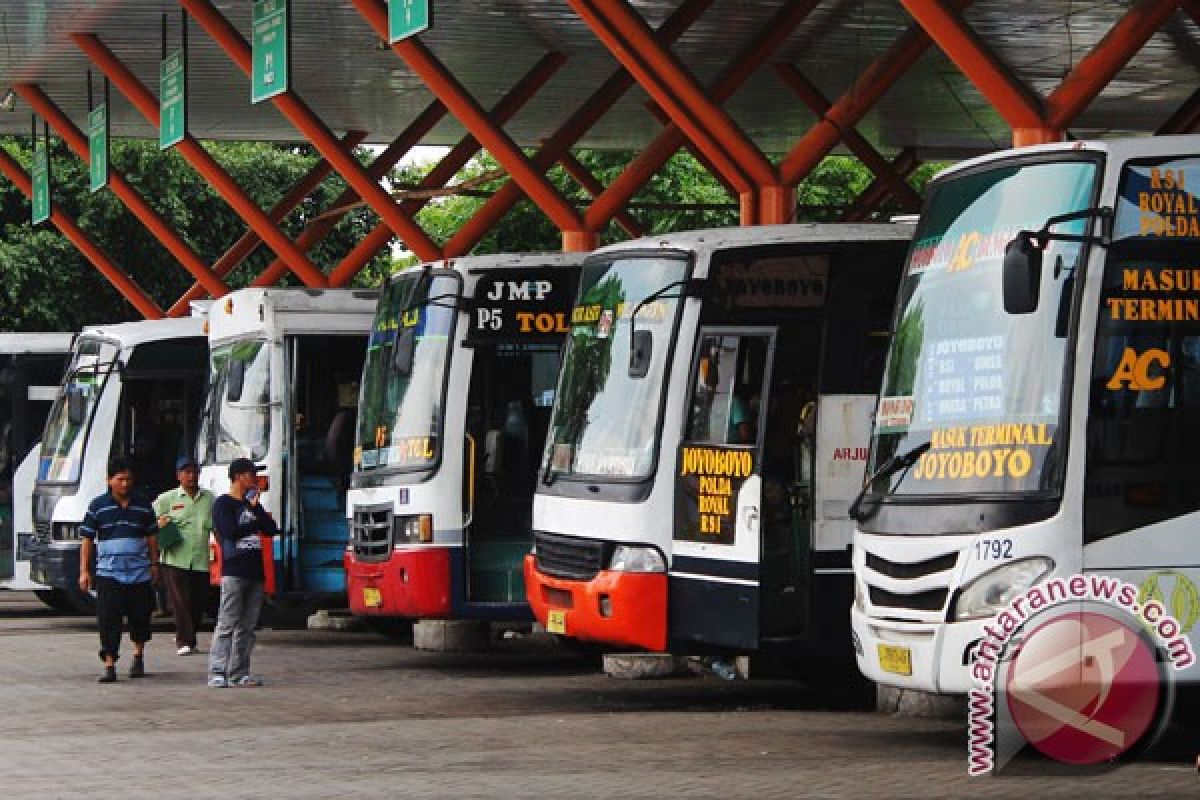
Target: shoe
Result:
[[138, 668], [109, 676], [217, 682], [187, 650], [249, 680]]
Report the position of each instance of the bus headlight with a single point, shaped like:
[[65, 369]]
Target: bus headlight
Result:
[[988, 594], [628, 558], [416, 529]]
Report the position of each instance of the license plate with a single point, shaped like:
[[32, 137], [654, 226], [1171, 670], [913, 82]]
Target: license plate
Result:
[[894, 659], [372, 598], [556, 622]]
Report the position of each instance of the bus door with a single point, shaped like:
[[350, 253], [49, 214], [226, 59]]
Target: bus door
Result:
[[323, 373], [508, 414], [714, 584], [517, 330]]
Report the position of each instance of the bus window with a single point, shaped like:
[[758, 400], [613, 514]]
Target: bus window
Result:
[[727, 396]]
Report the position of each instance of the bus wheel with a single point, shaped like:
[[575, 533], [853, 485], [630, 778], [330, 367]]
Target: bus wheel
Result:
[[80, 602], [395, 628], [53, 598]]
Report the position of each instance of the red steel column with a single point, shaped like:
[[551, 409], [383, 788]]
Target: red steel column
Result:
[[309, 124], [447, 89], [811, 96], [569, 133], [462, 152], [875, 81], [63, 221], [658, 152], [173, 242], [684, 117], [199, 158], [692, 101], [243, 247]]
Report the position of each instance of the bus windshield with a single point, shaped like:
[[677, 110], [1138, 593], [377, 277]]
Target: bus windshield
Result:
[[63, 443], [977, 392], [238, 424], [400, 407], [605, 420]]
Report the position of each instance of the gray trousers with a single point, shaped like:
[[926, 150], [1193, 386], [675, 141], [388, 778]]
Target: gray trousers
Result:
[[233, 637]]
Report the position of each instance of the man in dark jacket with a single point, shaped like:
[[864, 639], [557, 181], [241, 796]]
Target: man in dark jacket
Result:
[[238, 520]]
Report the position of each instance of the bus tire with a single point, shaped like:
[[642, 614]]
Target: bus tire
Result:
[[53, 598], [80, 602]]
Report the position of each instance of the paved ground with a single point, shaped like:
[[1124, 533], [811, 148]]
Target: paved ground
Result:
[[352, 715]]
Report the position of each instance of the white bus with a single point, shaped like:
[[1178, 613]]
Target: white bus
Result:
[[31, 366], [283, 389], [456, 398], [709, 431], [132, 389], [1039, 416]]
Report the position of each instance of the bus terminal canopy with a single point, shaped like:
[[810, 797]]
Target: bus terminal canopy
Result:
[[342, 71], [759, 91]]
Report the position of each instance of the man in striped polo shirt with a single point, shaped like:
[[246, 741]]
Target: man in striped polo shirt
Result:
[[121, 528]]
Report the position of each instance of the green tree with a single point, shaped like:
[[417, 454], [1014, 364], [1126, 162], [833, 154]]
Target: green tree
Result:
[[49, 285]]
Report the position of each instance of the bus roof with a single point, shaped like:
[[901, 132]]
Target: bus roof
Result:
[[1119, 149], [468, 264], [129, 334], [726, 238], [29, 343]]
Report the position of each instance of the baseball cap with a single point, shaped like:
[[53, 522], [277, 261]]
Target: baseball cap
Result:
[[241, 465], [185, 461]]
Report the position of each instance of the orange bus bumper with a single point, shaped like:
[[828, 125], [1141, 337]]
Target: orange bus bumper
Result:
[[620, 608]]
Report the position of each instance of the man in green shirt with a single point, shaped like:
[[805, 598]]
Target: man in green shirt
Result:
[[188, 509]]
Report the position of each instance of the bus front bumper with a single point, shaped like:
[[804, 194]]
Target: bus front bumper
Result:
[[910, 655], [410, 583], [627, 609], [54, 563]]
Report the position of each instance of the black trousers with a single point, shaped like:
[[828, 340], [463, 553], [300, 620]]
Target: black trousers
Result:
[[188, 590], [117, 602]]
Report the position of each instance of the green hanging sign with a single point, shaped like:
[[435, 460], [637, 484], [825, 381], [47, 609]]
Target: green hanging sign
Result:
[[98, 147], [172, 102], [269, 75], [407, 18], [41, 182]]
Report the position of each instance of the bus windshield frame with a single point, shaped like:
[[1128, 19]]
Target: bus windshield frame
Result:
[[632, 406], [220, 442], [64, 445], [386, 441], [978, 396]]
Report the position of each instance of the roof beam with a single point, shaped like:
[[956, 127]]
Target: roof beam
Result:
[[585, 117], [852, 106], [66, 224], [243, 247], [468, 111], [1011, 98], [314, 129], [133, 200], [652, 158], [145, 102], [904, 164], [812, 97]]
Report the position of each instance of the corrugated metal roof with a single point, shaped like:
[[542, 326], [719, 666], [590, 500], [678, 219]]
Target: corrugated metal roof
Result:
[[340, 70]]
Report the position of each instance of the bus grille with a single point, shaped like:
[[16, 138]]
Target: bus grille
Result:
[[569, 556], [909, 571], [932, 600], [371, 532], [41, 531]]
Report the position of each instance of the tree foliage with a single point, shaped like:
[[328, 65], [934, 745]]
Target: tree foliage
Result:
[[49, 285]]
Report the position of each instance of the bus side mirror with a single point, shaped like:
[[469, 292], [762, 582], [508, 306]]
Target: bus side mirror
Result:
[[75, 405], [640, 353], [236, 381], [1022, 275], [403, 351]]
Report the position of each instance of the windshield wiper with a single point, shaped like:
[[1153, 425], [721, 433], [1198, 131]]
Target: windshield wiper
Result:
[[893, 464]]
